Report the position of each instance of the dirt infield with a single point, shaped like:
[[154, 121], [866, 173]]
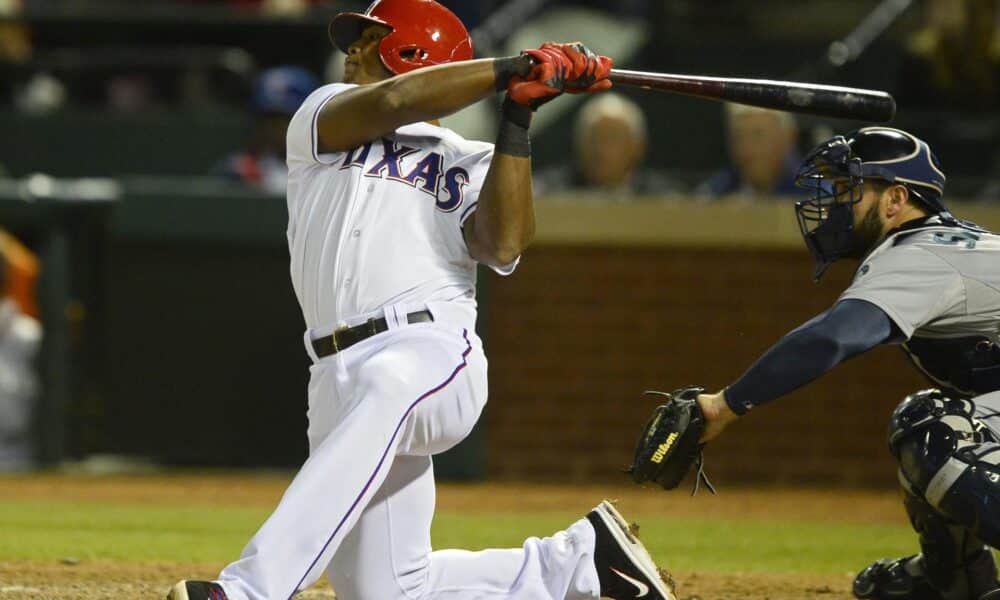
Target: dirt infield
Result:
[[106, 580], [118, 581], [89, 580]]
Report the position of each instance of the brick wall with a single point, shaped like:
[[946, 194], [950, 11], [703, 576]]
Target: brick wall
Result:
[[579, 332]]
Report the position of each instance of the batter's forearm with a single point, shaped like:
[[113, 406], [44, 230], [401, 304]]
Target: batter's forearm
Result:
[[428, 94], [371, 111], [504, 223]]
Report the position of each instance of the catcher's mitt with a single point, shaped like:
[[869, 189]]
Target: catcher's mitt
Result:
[[669, 443]]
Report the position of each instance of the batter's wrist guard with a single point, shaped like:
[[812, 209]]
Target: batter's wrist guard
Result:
[[512, 138], [507, 68]]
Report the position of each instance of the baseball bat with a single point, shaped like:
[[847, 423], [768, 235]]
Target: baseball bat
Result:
[[808, 98]]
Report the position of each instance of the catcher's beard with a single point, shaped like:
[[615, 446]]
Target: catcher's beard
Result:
[[866, 234]]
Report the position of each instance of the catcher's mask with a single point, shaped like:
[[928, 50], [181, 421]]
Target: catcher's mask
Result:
[[835, 173]]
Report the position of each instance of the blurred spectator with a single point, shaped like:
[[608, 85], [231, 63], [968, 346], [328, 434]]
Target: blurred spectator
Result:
[[15, 48], [40, 94], [20, 274], [609, 145], [278, 93], [15, 45], [20, 337], [132, 93], [763, 154], [953, 61]]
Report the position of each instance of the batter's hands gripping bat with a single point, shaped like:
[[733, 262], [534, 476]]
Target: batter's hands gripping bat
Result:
[[809, 98]]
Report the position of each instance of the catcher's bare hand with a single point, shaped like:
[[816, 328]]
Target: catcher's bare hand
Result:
[[717, 413]]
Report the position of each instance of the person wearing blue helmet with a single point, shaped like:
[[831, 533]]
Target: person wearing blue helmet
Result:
[[278, 93], [930, 283]]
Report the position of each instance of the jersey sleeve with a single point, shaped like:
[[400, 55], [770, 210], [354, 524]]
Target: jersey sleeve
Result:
[[478, 164], [911, 284], [301, 139]]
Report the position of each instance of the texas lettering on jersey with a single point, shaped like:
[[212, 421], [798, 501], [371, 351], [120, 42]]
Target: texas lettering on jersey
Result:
[[428, 173]]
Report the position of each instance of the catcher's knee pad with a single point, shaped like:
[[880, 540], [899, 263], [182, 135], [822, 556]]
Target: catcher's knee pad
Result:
[[949, 459]]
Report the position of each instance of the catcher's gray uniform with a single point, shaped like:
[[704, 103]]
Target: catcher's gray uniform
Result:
[[940, 285]]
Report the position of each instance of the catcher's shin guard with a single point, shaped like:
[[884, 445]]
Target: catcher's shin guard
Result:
[[955, 561], [948, 467]]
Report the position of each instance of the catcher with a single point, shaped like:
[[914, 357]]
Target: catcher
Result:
[[928, 282]]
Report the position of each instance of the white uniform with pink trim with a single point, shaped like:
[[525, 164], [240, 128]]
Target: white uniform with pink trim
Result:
[[376, 232]]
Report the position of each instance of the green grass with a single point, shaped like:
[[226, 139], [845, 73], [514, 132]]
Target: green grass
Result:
[[135, 532], [710, 545], [55, 530]]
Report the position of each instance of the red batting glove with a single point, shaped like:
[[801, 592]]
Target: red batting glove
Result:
[[544, 82], [531, 92], [551, 66], [589, 71]]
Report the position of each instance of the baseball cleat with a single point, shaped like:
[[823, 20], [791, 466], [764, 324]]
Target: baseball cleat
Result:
[[624, 567], [197, 590]]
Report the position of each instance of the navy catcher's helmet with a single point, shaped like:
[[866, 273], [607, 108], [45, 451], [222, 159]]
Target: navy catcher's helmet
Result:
[[282, 90], [836, 170]]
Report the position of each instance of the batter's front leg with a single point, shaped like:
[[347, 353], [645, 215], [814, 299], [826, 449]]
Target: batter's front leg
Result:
[[374, 390], [322, 504]]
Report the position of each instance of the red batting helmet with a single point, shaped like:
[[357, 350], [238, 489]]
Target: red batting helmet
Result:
[[424, 33]]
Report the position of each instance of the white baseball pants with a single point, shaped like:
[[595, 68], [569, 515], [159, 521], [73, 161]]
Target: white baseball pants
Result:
[[360, 508]]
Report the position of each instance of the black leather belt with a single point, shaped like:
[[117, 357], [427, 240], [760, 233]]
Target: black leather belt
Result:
[[342, 339]]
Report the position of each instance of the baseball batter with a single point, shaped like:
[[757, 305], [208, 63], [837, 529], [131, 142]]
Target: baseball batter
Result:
[[389, 214], [928, 282]]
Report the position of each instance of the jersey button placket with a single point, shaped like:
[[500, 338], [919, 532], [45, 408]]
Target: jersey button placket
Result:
[[355, 234], [362, 192]]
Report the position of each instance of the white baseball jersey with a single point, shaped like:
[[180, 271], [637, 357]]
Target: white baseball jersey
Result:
[[382, 223], [377, 229]]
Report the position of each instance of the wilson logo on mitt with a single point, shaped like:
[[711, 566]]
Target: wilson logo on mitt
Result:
[[669, 442], [662, 450]]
